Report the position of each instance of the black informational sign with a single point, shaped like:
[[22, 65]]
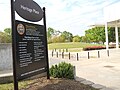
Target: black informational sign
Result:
[[29, 41], [31, 50], [29, 10]]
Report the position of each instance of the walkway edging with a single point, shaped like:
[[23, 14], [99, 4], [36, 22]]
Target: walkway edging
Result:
[[87, 82]]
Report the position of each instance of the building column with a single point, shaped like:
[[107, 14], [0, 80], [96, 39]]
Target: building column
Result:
[[106, 34], [117, 38]]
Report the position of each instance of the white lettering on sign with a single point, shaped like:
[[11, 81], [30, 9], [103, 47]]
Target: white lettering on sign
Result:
[[29, 9], [35, 11], [26, 8]]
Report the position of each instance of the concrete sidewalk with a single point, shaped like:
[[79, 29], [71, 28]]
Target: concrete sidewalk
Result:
[[104, 71]]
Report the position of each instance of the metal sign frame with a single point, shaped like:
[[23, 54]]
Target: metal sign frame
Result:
[[14, 44]]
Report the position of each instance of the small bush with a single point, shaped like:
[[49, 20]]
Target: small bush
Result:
[[93, 48], [62, 70]]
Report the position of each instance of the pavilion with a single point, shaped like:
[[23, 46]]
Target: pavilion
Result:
[[111, 19]]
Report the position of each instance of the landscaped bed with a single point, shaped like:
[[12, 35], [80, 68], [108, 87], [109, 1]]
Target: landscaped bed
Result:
[[57, 84], [93, 48], [45, 84]]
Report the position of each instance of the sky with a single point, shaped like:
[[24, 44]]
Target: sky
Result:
[[74, 16]]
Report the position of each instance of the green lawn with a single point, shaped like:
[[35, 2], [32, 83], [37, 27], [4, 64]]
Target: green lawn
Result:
[[9, 86], [70, 45]]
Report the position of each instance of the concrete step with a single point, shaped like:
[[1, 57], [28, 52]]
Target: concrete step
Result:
[[6, 76]]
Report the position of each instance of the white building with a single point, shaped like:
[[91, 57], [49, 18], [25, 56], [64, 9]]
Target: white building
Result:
[[111, 19]]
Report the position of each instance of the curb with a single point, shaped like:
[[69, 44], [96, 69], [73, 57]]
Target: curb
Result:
[[6, 79], [87, 82]]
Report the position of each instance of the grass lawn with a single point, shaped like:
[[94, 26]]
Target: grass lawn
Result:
[[9, 86], [70, 45]]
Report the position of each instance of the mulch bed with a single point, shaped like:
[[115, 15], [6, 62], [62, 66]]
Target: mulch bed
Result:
[[56, 84]]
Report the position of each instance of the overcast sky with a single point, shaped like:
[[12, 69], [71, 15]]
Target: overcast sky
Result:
[[74, 16]]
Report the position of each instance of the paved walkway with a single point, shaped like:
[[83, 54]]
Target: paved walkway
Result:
[[104, 71]]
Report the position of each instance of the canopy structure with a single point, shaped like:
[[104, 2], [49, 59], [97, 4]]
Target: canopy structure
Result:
[[111, 19]]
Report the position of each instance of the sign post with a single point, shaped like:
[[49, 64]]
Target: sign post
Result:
[[44, 21], [13, 45], [29, 41]]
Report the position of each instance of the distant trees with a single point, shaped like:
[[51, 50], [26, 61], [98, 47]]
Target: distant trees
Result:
[[5, 37], [96, 35], [67, 36], [50, 32], [8, 31], [55, 36], [76, 38]]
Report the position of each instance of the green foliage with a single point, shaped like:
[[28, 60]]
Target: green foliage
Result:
[[49, 40], [50, 32], [67, 35], [62, 70], [8, 31], [76, 38], [5, 37], [96, 34], [55, 36], [111, 34], [83, 39], [58, 39]]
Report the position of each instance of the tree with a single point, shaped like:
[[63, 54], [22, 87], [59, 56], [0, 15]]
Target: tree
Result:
[[83, 39], [50, 32], [6, 37], [67, 35], [96, 34], [8, 31], [76, 38], [111, 34], [57, 39], [52, 35]]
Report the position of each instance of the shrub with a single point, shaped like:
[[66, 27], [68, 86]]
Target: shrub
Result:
[[93, 48], [62, 70]]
